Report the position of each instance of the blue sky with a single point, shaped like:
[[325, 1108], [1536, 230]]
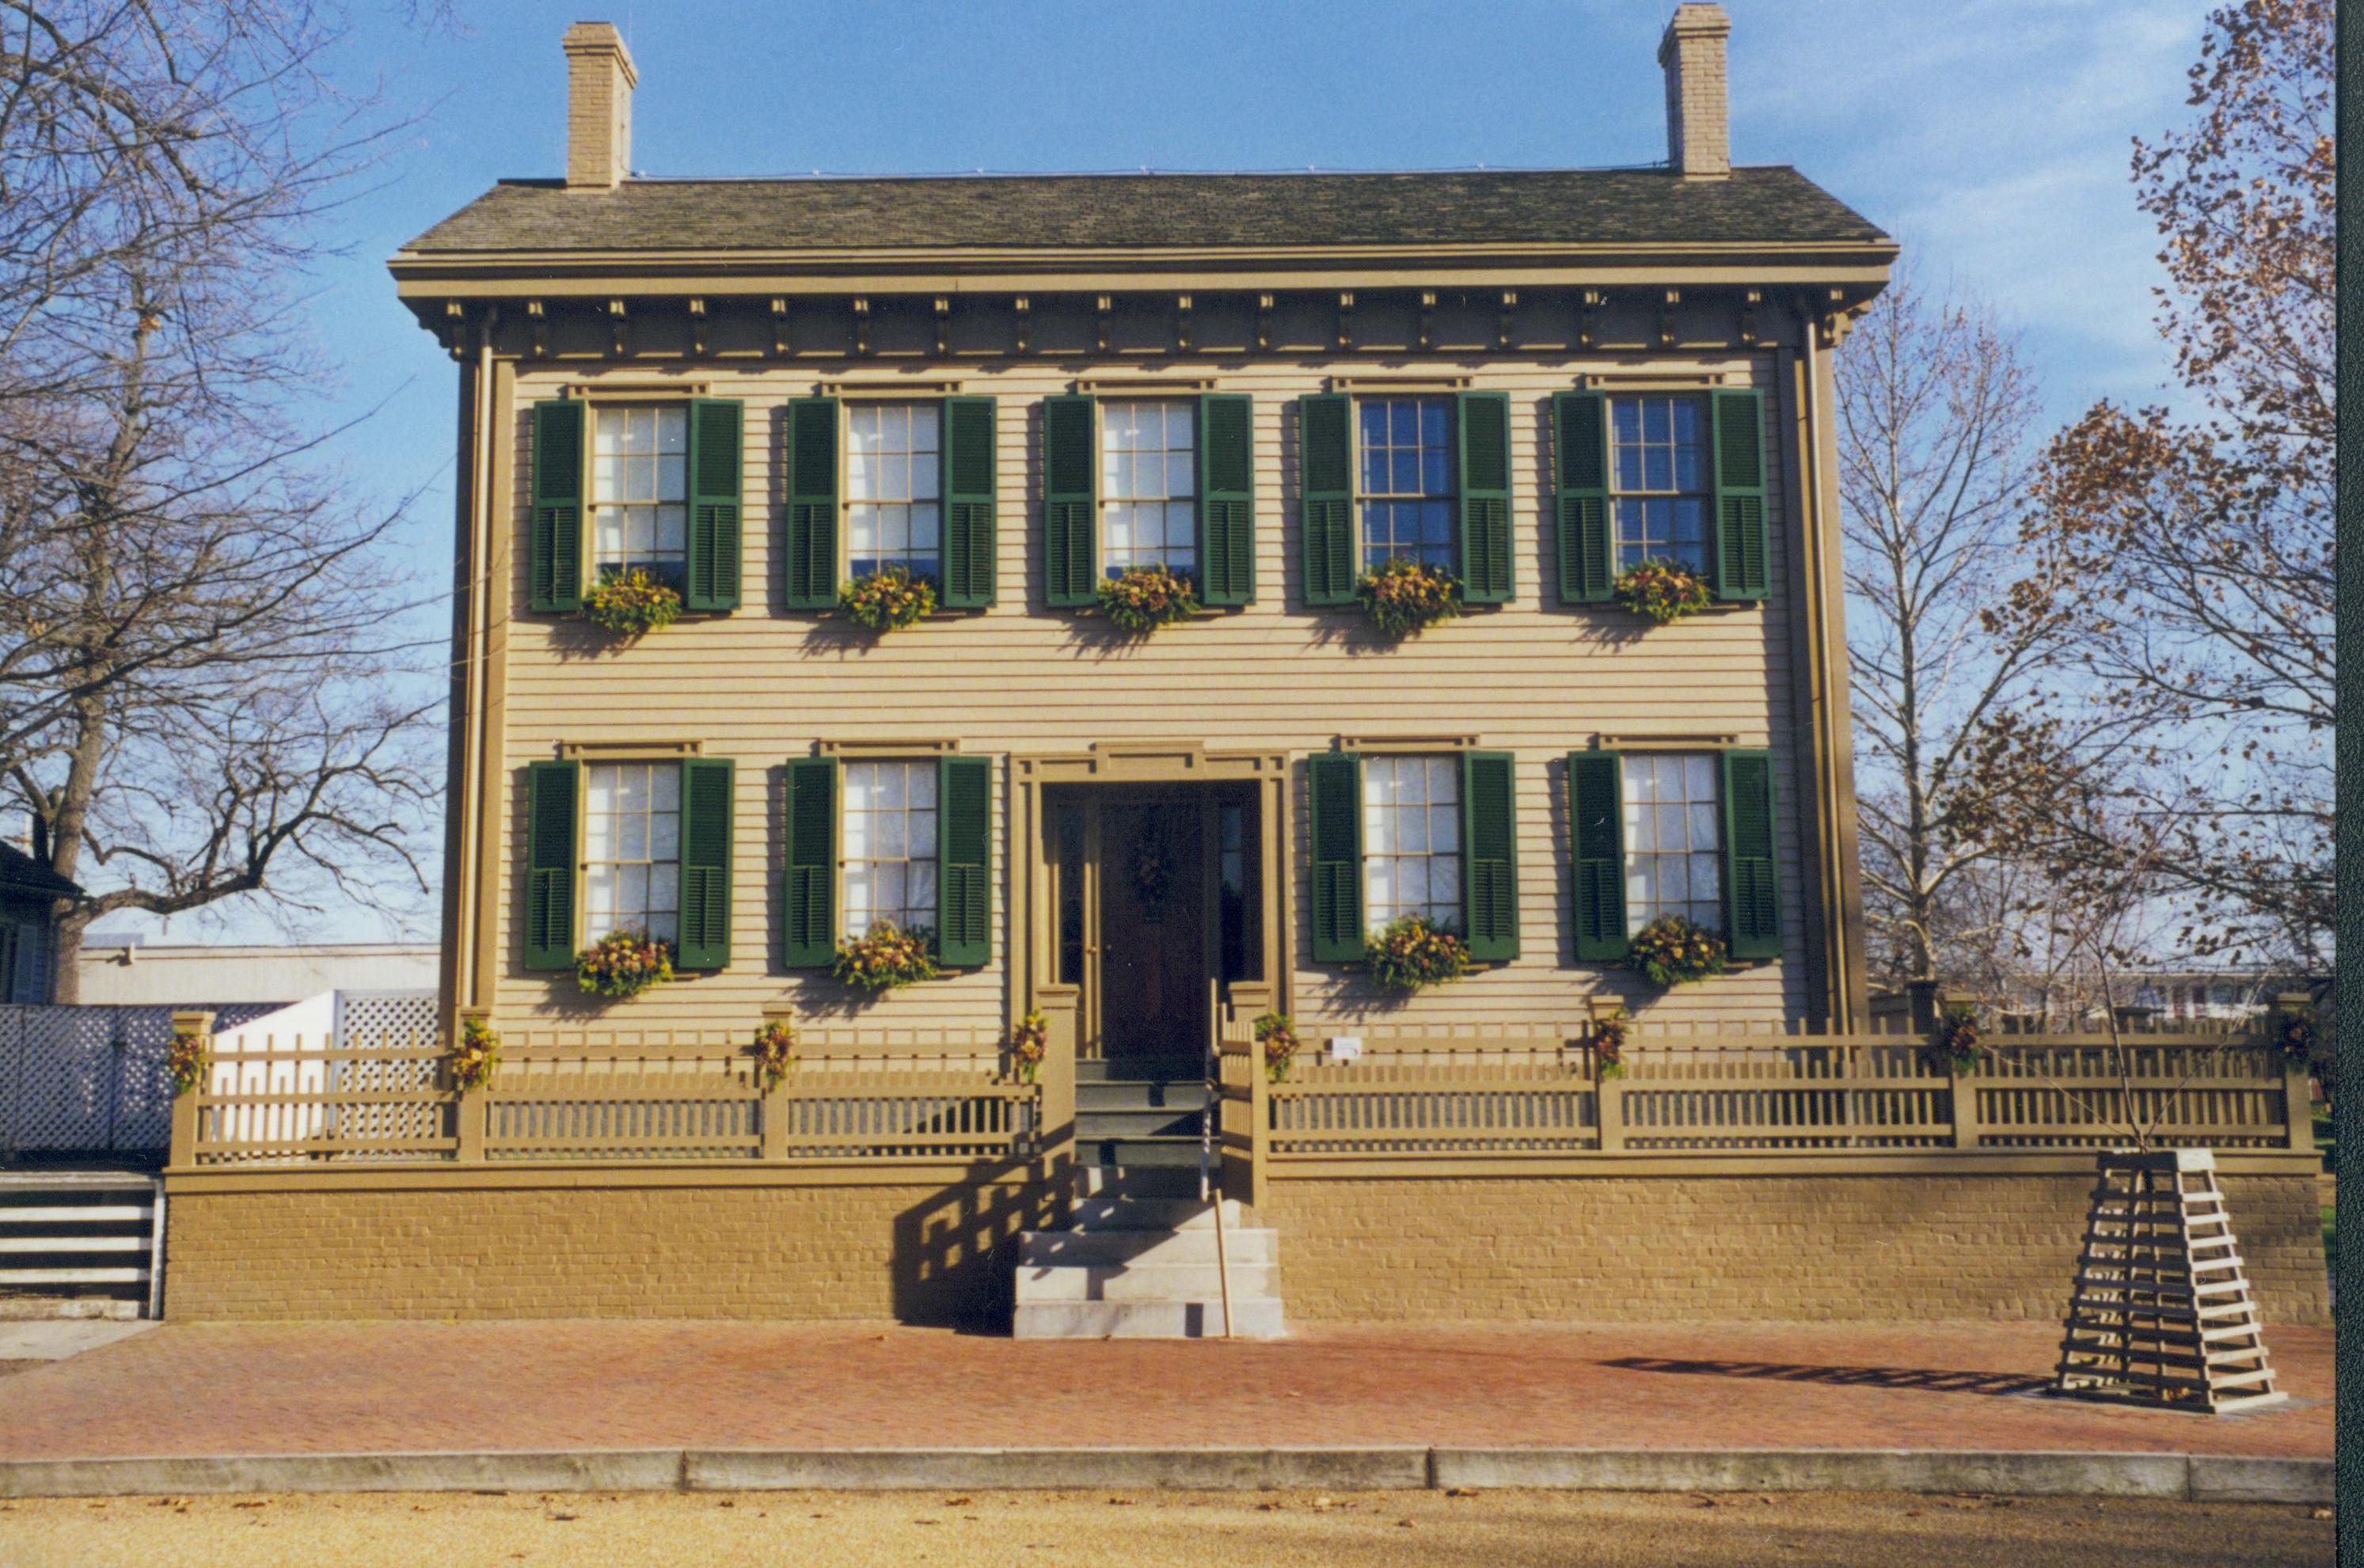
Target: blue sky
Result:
[[1990, 137]]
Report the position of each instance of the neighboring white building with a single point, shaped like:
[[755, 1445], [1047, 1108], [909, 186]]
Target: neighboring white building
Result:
[[186, 975]]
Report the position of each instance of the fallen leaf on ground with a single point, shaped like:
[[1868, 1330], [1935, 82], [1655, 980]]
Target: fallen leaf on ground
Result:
[[959, 1502]]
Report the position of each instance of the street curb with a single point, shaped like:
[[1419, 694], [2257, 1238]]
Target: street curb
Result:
[[2209, 1478]]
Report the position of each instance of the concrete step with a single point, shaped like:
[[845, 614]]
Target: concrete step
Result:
[[1145, 1320], [1098, 1126], [1148, 1282], [1127, 1097], [1048, 1248], [1141, 1149], [1140, 1069], [1103, 1213], [1145, 1182]]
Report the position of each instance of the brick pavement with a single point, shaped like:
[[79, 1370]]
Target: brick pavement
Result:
[[343, 1387]]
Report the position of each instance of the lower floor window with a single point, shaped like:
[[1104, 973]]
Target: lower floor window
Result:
[[631, 850], [890, 845], [1674, 840], [1412, 839]]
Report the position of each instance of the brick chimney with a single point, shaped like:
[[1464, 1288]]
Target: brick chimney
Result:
[[1699, 133], [599, 82]]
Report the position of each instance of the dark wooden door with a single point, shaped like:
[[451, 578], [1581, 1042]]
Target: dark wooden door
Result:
[[1154, 933]]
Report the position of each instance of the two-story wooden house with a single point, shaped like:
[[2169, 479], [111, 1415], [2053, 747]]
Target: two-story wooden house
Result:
[[1155, 762]]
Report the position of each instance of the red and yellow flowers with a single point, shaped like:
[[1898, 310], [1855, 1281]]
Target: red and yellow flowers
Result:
[[1661, 591], [474, 1060], [1675, 952], [1404, 597], [623, 963], [1277, 1032], [775, 1050], [1030, 1040], [1414, 954], [889, 599], [1142, 600], [631, 603], [885, 957]]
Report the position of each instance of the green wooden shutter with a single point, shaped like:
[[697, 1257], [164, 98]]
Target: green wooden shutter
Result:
[[1325, 470], [716, 426], [1587, 543], [963, 860], [1485, 466], [1596, 819], [551, 790], [1738, 420], [705, 799], [969, 488], [554, 534], [1071, 522], [1752, 891], [1489, 855], [1226, 499], [812, 503], [811, 902], [1333, 782]]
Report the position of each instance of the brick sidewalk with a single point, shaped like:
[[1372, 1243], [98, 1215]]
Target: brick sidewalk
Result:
[[210, 1389]]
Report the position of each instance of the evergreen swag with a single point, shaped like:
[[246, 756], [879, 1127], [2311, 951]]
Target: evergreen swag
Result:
[[185, 1058], [1414, 954], [1674, 952], [775, 1050], [1661, 591], [885, 957], [623, 963], [889, 599], [1403, 598], [1141, 600], [630, 604], [1029, 1040], [1608, 1037], [2294, 1032], [1277, 1032], [473, 1061], [1958, 1042]]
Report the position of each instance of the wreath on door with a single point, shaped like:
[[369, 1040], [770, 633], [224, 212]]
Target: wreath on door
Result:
[[1152, 873]]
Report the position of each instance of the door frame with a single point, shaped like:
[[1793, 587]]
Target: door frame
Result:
[[1033, 914]]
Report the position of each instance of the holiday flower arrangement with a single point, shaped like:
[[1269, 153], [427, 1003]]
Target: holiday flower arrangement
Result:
[[1277, 1032], [1672, 951], [623, 963], [889, 599], [1030, 1039], [1414, 954], [630, 604], [185, 1058], [1661, 591], [885, 957], [775, 1050], [1141, 600], [1404, 597], [1959, 1041], [1152, 877], [1608, 1037], [2294, 1032], [474, 1061]]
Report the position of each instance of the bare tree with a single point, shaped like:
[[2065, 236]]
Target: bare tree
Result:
[[1934, 415], [206, 687]]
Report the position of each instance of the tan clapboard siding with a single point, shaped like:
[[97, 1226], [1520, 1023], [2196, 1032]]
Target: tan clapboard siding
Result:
[[761, 687]]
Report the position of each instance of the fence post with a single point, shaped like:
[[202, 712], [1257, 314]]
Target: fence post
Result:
[[1259, 1128], [1608, 1093], [199, 1025], [2298, 1104], [1055, 1080], [772, 1107], [1964, 1090], [468, 1106]]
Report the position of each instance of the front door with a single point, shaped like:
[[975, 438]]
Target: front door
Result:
[[1157, 933]]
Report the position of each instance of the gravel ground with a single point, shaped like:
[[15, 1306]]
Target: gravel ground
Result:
[[1151, 1529]]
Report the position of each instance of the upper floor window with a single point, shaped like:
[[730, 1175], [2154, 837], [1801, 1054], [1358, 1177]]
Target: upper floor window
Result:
[[890, 845], [1674, 840], [631, 850], [1660, 473], [1404, 492], [640, 491], [1149, 513], [1412, 839], [892, 474]]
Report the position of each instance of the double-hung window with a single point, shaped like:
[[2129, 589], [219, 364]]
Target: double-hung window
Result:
[[628, 845], [1423, 478], [892, 478], [1659, 444], [640, 492], [907, 840], [1659, 833], [1131, 483], [1669, 476], [622, 487], [1431, 836]]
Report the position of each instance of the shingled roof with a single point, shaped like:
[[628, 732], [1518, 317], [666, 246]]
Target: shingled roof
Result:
[[1772, 206]]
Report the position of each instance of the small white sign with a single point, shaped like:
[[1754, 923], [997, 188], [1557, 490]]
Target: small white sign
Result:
[[1345, 1046]]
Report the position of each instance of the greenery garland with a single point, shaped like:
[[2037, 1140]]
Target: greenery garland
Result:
[[1413, 953], [1277, 1032], [477, 1057], [186, 1059], [885, 957], [624, 962], [775, 1050], [1672, 951], [2294, 1032], [1403, 598], [1146, 597], [1661, 591], [630, 605], [1029, 1041], [889, 599], [1609, 1038], [1959, 1041]]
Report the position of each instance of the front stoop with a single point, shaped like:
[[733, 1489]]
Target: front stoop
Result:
[[1145, 1268]]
